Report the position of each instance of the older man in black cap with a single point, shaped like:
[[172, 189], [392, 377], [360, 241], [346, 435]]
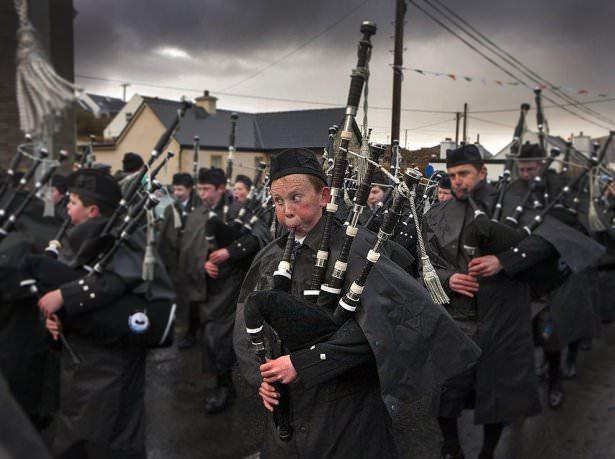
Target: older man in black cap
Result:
[[490, 303], [340, 388]]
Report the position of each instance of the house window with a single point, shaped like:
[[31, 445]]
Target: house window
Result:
[[216, 161]]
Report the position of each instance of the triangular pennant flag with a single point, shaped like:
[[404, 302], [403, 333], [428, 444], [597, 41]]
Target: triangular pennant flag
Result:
[[603, 95], [419, 71], [467, 79], [498, 82], [583, 91], [452, 76]]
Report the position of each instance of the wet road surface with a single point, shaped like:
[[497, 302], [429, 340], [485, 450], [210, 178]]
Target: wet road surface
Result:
[[179, 428]]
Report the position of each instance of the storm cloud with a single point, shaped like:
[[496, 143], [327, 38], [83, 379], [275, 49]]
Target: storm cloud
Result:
[[223, 46]]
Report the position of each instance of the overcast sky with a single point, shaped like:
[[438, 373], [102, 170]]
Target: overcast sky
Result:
[[307, 49]]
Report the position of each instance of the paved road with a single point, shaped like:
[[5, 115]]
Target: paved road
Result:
[[179, 428]]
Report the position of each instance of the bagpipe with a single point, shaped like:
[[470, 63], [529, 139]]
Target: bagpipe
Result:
[[11, 171], [515, 148], [305, 312], [485, 236], [537, 184], [131, 320], [222, 231], [9, 223], [216, 229], [37, 160]]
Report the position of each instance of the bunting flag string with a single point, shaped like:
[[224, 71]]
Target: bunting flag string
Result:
[[485, 81]]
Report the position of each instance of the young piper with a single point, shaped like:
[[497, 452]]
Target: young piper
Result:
[[213, 280], [102, 398], [241, 188], [340, 389], [169, 243], [444, 189]]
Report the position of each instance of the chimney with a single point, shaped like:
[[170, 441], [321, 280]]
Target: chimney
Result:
[[447, 144], [207, 102]]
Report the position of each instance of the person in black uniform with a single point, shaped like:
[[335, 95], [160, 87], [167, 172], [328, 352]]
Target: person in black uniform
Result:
[[444, 189], [101, 411], [226, 267], [340, 388], [241, 188], [169, 243], [490, 304], [566, 314]]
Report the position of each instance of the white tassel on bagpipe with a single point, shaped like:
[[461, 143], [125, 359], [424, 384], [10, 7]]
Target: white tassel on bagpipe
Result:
[[149, 260], [430, 277], [595, 223], [42, 94]]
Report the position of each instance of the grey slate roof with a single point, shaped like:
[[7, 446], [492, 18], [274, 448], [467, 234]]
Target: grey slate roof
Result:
[[255, 131], [107, 105]]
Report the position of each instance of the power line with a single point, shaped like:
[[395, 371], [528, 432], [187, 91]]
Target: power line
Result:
[[495, 123], [529, 73], [313, 102], [496, 64], [508, 57], [298, 48], [250, 96], [597, 101]]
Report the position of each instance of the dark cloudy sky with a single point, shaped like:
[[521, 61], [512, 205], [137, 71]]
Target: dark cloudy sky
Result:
[[219, 44]]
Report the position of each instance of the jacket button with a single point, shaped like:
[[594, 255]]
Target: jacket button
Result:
[[92, 295], [302, 429]]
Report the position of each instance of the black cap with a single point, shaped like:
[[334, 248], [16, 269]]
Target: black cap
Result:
[[60, 182], [213, 176], [245, 180], [295, 161], [465, 154], [183, 179], [96, 185], [132, 162], [445, 182], [379, 178], [106, 168], [531, 151]]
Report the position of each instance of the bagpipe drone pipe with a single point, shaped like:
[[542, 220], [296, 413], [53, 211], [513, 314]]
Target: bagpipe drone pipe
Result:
[[292, 321], [484, 236], [300, 322], [508, 167], [221, 234]]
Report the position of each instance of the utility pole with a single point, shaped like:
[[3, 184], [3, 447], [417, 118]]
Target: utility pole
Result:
[[124, 86], [400, 12], [457, 119], [465, 123]]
